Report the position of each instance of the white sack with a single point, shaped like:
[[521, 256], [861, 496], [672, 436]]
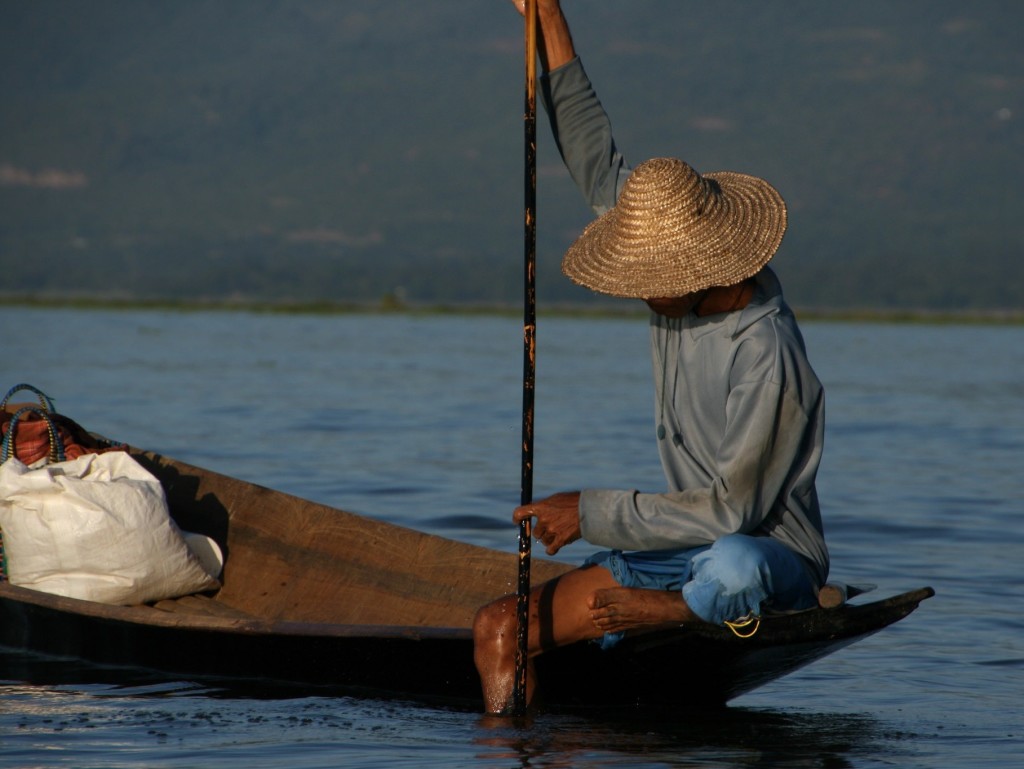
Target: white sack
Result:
[[95, 528]]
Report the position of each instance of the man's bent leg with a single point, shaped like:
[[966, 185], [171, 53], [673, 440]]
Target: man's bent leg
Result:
[[740, 575], [559, 615]]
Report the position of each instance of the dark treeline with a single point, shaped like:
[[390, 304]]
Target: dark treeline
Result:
[[311, 151]]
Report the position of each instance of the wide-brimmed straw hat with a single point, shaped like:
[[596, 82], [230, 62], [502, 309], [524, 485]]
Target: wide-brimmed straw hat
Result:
[[674, 232]]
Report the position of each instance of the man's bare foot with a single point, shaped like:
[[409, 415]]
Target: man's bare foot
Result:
[[625, 608]]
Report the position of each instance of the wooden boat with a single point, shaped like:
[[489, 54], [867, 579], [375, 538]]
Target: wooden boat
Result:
[[313, 596]]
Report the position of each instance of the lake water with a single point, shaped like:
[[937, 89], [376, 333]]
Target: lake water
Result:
[[416, 420]]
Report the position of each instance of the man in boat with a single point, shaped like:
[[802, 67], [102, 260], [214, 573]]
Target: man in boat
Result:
[[739, 412]]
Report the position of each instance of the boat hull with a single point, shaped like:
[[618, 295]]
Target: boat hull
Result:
[[436, 663]]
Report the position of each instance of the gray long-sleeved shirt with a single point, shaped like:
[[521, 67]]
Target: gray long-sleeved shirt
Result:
[[738, 409]]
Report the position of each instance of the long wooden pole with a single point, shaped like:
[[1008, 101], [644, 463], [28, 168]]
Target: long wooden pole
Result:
[[529, 353]]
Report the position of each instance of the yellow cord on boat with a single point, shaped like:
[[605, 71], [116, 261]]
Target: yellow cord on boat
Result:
[[739, 627]]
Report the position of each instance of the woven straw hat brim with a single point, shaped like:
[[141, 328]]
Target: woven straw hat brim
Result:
[[674, 232]]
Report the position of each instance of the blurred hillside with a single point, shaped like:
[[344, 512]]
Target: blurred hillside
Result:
[[313, 150]]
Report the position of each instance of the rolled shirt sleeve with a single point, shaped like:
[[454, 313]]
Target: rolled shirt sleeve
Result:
[[583, 135]]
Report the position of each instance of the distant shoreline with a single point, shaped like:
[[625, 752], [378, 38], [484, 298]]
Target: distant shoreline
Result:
[[391, 306]]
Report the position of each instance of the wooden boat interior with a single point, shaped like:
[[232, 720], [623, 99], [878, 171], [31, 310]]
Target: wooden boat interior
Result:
[[290, 560]]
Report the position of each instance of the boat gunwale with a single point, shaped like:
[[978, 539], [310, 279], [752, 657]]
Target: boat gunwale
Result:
[[156, 617]]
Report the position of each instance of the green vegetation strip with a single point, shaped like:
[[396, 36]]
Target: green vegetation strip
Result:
[[389, 305]]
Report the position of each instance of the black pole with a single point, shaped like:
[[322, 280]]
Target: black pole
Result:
[[529, 353]]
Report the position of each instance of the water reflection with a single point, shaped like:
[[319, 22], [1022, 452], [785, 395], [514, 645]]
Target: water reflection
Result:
[[733, 737], [638, 738]]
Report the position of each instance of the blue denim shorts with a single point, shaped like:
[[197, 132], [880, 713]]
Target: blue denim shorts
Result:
[[736, 577]]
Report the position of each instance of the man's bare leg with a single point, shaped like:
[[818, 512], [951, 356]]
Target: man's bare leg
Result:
[[582, 604], [559, 615]]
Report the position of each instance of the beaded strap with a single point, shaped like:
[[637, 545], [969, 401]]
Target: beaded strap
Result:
[[56, 444], [44, 400], [7, 447]]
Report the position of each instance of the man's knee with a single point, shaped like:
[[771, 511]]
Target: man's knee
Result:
[[736, 561], [495, 624], [730, 580]]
